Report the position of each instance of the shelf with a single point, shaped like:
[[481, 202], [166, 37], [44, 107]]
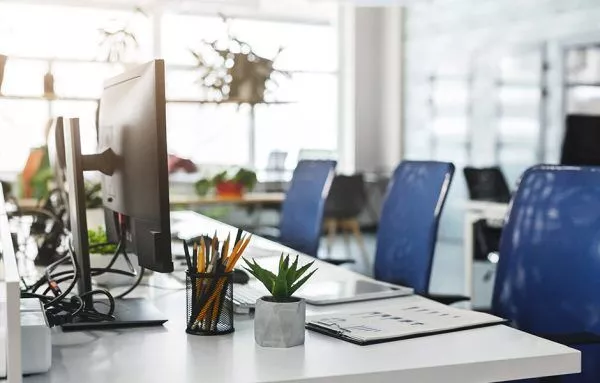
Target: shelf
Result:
[[582, 84], [42, 98], [67, 98], [519, 84], [183, 101]]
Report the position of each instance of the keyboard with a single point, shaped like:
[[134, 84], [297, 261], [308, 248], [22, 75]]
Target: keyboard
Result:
[[244, 298]]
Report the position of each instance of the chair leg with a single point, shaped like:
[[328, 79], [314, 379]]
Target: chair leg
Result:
[[344, 231], [354, 226], [331, 225]]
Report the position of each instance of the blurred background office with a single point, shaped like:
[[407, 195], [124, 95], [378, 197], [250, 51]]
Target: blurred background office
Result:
[[481, 84]]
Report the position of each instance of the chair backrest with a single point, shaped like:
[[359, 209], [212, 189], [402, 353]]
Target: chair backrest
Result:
[[347, 197], [276, 161], [580, 143], [548, 275], [302, 210], [409, 220], [487, 184]]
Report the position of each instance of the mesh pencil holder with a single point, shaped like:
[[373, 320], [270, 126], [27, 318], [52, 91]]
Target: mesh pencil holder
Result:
[[209, 303]]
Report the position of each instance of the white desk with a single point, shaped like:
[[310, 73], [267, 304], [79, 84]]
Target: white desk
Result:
[[168, 354], [474, 211]]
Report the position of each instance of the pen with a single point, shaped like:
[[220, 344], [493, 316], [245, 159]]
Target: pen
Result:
[[188, 260], [215, 245], [194, 258], [238, 236]]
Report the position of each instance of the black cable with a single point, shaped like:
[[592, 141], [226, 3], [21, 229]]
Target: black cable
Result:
[[95, 271], [60, 310], [70, 288], [133, 287]]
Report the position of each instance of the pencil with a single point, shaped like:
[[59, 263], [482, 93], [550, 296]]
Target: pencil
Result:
[[201, 259], [225, 250], [235, 257]]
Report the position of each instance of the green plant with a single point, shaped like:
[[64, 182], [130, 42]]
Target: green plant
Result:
[[246, 177], [243, 176], [203, 186], [233, 70], [98, 242], [283, 285], [118, 39], [220, 177]]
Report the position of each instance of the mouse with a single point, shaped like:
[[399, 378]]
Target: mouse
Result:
[[240, 276]]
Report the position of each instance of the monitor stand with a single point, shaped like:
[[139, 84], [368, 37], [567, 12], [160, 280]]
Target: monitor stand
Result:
[[128, 312], [132, 312]]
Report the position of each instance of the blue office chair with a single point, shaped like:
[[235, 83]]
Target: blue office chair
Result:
[[548, 276], [304, 204], [408, 225]]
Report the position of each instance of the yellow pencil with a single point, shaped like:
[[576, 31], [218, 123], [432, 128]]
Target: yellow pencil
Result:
[[225, 250], [235, 257], [201, 259]]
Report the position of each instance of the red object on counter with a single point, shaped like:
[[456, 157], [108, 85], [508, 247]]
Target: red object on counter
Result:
[[229, 189]]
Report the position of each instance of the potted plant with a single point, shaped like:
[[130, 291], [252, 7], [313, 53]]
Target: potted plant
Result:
[[233, 71], [279, 319], [118, 38], [101, 253], [226, 185]]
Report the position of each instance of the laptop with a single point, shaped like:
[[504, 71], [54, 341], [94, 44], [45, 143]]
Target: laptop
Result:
[[332, 292]]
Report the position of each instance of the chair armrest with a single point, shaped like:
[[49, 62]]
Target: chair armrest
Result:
[[446, 299]]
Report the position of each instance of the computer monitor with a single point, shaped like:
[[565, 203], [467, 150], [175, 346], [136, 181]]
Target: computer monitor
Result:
[[132, 125], [581, 145], [56, 151], [132, 157]]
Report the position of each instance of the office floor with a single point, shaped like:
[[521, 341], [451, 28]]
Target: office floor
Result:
[[447, 272]]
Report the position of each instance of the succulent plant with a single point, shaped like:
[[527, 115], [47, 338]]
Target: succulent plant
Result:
[[289, 278]]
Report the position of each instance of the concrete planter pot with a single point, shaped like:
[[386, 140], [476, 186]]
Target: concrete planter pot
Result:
[[279, 324]]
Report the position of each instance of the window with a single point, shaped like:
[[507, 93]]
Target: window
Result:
[[301, 107], [65, 41]]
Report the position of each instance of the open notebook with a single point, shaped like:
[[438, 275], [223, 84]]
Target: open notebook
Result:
[[400, 321]]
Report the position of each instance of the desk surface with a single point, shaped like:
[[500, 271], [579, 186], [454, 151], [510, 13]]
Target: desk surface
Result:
[[168, 354], [246, 199], [177, 200]]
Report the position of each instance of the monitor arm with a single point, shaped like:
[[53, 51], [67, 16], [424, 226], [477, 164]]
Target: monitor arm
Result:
[[105, 162]]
